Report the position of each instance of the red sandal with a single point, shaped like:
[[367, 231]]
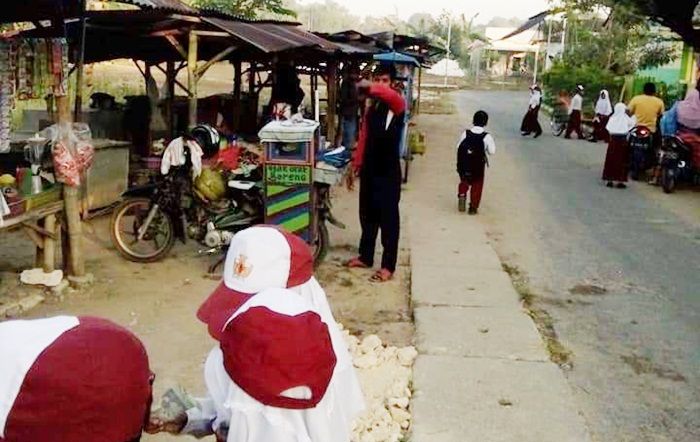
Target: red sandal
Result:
[[382, 275], [356, 263]]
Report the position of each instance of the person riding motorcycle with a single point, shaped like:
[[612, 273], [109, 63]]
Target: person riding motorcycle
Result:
[[648, 109]]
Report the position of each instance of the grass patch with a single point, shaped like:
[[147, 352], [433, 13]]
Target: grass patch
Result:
[[436, 102], [558, 354]]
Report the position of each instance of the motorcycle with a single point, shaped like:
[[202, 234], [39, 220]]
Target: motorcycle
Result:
[[676, 161], [210, 210], [640, 142]]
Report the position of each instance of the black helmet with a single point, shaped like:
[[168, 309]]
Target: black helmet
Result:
[[208, 139]]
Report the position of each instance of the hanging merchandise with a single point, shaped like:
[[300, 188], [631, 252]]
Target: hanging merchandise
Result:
[[7, 91], [59, 66], [73, 152]]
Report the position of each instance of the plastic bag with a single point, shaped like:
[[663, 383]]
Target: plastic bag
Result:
[[72, 150]]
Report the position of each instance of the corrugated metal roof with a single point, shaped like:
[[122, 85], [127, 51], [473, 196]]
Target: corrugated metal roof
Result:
[[161, 5], [24, 10], [272, 37]]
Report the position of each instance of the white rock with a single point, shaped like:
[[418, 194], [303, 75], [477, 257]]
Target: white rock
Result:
[[366, 361], [407, 356], [399, 415], [405, 425], [400, 402], [370, 343]]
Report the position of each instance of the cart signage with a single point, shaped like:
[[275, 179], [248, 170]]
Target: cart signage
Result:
[[287, 175]]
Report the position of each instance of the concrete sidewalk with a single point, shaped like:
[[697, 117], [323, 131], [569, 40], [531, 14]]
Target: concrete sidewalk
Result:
[[483, 373]]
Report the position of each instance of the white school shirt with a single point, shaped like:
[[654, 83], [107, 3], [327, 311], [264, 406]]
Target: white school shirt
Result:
[[577, 103], [489, 142]]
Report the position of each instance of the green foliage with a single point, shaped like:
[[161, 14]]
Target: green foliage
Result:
[[565, 77], [246, 8]]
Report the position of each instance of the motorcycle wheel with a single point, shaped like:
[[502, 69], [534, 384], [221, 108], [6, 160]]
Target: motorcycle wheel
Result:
[[668, 182], [557, 128], [126, 221], [322, 243]]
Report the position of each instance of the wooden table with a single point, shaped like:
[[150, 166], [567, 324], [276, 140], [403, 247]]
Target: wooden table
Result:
[[42, 225]]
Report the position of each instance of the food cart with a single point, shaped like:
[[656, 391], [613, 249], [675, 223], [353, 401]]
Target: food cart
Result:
[[289, 162]]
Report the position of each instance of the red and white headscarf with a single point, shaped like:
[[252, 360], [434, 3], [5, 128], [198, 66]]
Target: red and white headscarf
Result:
[[70, 379], [267, 257]]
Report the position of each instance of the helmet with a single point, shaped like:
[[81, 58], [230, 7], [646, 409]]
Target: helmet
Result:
[[208, 139], [211, 184]]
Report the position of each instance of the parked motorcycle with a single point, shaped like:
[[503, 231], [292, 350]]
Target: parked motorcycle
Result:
[[640, 142], [210, 210], [676, 159]]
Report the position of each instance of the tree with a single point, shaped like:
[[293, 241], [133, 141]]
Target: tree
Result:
[[678, 15], [246, 8]]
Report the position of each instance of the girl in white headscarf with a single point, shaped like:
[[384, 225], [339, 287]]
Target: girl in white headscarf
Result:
[[603, 110], [531, 122], [617, 158]]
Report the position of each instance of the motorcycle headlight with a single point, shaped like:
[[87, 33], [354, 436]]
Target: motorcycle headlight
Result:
[[681, 164]]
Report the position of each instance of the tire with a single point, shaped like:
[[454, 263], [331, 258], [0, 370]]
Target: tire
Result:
[[557, 128], [322, 243], [122, 245], [668, 181]]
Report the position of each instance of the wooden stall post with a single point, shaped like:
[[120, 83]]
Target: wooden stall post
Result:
[[237, 80], [80, 67], [332, 84], [170, 75], [50, 244], [192, 79], [76, 262]]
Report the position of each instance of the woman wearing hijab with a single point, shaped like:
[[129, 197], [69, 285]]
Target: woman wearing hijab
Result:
[[530, 121], [689, 123], [617, 158], [603, 110]]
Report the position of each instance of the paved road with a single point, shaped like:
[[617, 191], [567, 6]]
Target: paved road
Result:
[[635, 344]]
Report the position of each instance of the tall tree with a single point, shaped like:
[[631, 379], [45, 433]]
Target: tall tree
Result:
[[246, 8], [679, 15]]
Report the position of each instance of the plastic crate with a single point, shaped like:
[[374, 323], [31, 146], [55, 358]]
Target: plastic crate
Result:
[[152, 163], [48, 196], [16, 208], [328, 176]]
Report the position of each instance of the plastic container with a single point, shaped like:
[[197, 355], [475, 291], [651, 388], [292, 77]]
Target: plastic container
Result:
[[48, 196]]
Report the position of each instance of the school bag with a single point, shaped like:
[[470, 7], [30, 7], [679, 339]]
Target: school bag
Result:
[[669, 121], [471, 155]]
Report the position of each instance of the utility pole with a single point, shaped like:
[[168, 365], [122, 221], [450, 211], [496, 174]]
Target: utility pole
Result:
[[563, 38], [548, 62], [449, 41]]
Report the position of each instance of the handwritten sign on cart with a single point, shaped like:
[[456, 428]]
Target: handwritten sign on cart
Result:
[[287, 175]]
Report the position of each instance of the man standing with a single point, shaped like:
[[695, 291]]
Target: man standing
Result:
[[377, 162], [648, 108], [349, 107], [575, 114]]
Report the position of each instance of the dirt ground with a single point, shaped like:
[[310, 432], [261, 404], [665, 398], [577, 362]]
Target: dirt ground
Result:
[[158, 301]]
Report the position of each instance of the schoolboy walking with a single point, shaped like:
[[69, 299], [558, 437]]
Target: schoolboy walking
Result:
[[473, 150]]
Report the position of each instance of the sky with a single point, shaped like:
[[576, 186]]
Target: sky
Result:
[[487, 9]]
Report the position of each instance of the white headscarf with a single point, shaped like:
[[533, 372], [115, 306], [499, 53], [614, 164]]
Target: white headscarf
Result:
[[603, 106], [251, 421], [620, 123]]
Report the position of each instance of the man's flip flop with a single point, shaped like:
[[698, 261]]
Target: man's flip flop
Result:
[[382, 275], [356, 263]]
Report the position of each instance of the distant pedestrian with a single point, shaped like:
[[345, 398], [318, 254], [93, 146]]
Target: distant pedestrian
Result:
[[576, 114], [603, 110], [473, 150], [531, 122], [617, 158]]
